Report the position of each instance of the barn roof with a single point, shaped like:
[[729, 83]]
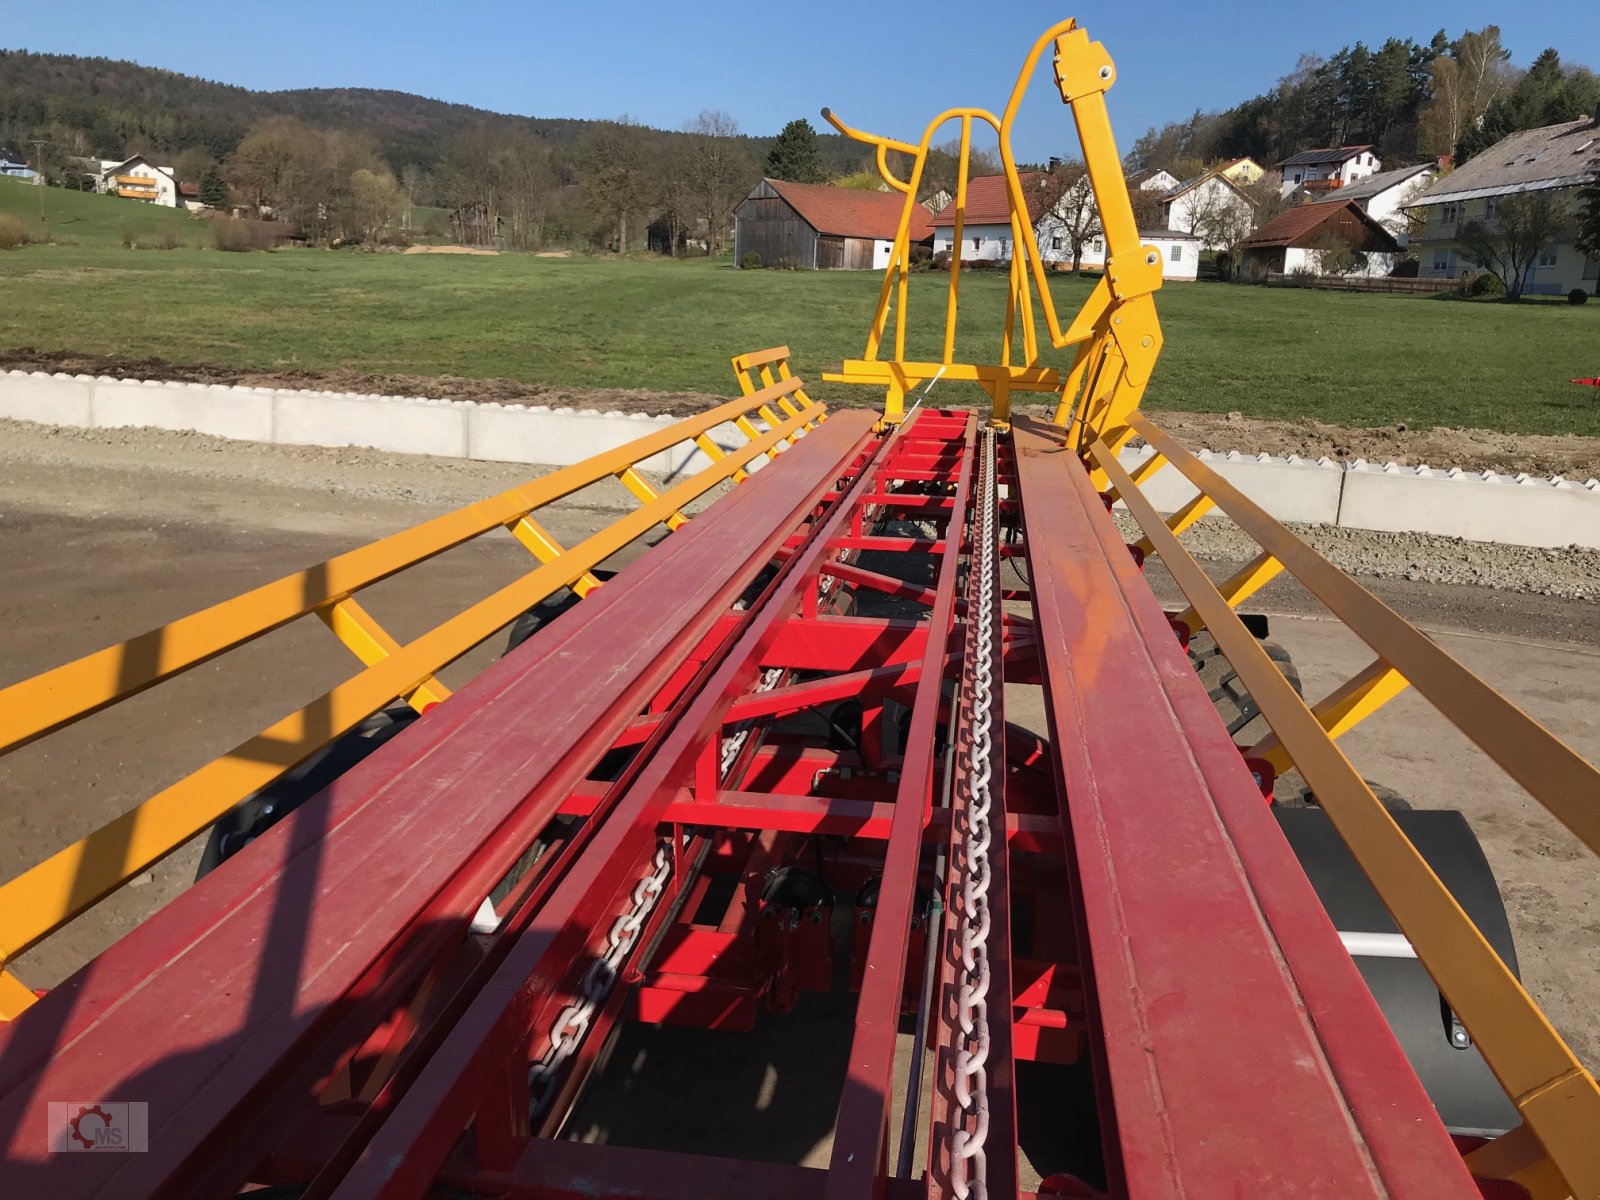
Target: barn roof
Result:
[[1532, 160], [848, 212], [988, 204], [1300, 225]]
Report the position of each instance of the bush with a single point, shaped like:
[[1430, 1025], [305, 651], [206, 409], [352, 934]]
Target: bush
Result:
[[170, 241], [230, 233], [1577, 296], [13, 232], [130, 239], [921, 254], [1487, 283], [941, 261], [751, 261]]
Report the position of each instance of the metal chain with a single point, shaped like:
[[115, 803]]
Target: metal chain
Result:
[[968, 1164], [573, 1021]]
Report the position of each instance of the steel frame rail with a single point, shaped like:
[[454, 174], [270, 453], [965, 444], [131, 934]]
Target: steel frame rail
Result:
[[47, 896], [1554, 1154]]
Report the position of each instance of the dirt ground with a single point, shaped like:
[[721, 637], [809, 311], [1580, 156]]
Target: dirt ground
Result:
[[105, 534], [1470, 449]]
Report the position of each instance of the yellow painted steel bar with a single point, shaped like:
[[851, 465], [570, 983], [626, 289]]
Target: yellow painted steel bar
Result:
[[1517, 1156], [957, 235], [1022, 378], [1556, 1096], [1552, 772], [372, 643], [539, 542], [51, 893], [1182, 519], [15, 998], [35, 706], [1238, 587], [1341, 710], [636, 483]]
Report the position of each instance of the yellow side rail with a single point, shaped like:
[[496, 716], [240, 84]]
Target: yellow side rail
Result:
[[1555, 1152], [45, 897]]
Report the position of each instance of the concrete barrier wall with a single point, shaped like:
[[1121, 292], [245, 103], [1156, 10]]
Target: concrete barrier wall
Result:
[[1514, 509]]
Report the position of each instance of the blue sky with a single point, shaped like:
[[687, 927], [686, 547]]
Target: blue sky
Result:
[[766, 63]]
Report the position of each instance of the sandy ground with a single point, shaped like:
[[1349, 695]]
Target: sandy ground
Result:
[[104, 534], [1470, 449]]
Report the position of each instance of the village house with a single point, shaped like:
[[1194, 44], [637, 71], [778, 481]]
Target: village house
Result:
[[1383, 196], [1243, 171], [1193, 204], [138, 178], [1297, 239], [1329, 168], [1560, 158], [13, 165], [1180, 251], [986, 227], [822, 228]]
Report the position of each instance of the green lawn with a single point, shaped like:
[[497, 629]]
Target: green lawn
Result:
[[87, 219], [578, 322]]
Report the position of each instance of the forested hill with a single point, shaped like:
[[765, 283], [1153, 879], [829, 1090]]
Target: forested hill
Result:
[[110, 109], [1413, 100]]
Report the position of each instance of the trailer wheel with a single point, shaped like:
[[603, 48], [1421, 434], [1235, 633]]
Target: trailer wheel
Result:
[[1233, 703], [257, 813], [1465, 1093]]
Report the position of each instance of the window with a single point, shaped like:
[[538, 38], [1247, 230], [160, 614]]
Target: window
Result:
[[1297, 176], [1177, 254], [1547, 257], [1491, 208], [1450, 213], [1099, 245], [1055, 243], [1441, 261], [977, 243]]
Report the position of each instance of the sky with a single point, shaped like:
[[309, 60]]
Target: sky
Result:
[[888, 66]]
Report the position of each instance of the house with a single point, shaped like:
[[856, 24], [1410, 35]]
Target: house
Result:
[[138, 178], [986, 227], [1295, 239], [189, 196], [1153, 179], [661, 232], [1560, 158], [1329, 168], [822, 228], [1243, 171], [13, 164], [1180, 251], [1382, 196], [1191, 204]]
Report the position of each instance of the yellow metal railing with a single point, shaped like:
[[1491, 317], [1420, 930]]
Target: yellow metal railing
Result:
[[1116, 335], [45, 897], [1555, 1153]]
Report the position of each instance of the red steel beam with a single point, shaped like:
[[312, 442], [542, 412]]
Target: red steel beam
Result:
[[1243, 1053]]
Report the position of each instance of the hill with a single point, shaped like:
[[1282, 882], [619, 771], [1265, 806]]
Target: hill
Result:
[[110, 108]]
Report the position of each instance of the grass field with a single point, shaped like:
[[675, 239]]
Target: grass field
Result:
[[1348, 358], [86, 219]]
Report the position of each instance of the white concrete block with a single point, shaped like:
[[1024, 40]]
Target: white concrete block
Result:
[[557, 439], [401, 426], [1291, 491], [228, 412], [47, 399], [1532, 513]]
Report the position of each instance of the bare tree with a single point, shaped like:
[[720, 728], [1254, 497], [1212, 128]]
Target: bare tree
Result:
[[718, 172], [376, 204], [676, 196], [615, 175], [1527, 223], [526, 183], [472, 167], [1223, 225], [1070, 211], [943, 165], [1464, 83]]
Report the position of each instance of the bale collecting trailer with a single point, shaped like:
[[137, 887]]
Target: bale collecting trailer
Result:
[[767, 766]]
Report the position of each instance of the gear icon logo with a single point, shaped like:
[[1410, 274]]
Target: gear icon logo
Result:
[[76, 1125]]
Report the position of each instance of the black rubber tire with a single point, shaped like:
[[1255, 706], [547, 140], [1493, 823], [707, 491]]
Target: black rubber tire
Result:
[[256, 814], [1233, 703]]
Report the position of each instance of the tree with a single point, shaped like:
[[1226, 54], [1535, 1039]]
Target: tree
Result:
[[213, 191], [1225, 227], [794, 156], [616, 178], [1508, 246], [1588, 221], [1332, 255], [376, 203], [942, 168], [192, 164], [1464, 83], [718, 171], [1071, 213]]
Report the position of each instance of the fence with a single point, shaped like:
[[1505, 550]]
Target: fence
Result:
[[1362, 283]]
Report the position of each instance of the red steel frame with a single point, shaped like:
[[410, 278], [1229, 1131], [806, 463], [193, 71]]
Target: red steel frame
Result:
[[331, 994]]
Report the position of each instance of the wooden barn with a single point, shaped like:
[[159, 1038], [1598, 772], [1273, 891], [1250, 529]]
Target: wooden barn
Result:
[[1297, 238], [823, 228]]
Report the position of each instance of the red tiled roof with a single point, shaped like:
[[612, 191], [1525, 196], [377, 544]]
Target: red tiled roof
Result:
[[988, 204], [1295, 226], [848, 212]]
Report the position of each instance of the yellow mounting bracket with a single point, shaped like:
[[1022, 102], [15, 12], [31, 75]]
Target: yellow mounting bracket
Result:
[[1116, 336]]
